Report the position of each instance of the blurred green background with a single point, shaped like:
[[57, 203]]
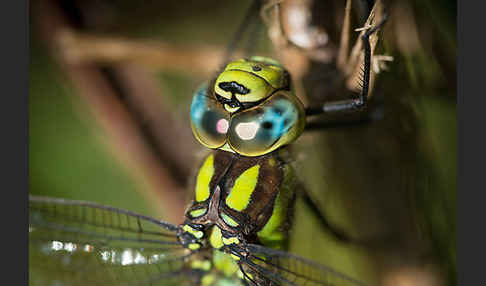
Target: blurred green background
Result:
[[70, 158]]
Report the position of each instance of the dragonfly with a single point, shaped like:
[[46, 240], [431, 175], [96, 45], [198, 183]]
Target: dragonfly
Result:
[[236, 229]]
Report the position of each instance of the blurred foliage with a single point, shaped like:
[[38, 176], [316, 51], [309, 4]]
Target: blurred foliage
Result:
[[69, 158], [430, 72]]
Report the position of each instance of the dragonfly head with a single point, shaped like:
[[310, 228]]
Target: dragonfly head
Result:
[[248, 109]]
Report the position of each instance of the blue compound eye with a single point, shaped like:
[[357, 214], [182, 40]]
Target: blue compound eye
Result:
[[263, 128], [209, 121]]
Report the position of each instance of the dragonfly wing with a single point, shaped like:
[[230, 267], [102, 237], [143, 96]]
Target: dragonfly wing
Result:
[[283, 268], [82, 243]]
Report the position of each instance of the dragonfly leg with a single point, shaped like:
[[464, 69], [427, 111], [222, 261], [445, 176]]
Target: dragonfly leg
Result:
[[356, 104], [250, 16], [246, 276], [312, 206], [374, 115], [339, 234]]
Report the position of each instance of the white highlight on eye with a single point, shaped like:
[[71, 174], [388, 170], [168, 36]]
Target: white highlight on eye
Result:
[[247, 130], [222, 126]]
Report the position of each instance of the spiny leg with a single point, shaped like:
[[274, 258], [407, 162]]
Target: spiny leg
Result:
[[355, 56], [359, 103], [338, 107], [340, 124], [312, 206], [342, 60], [250, 16], [254, 34], [335, 231], [246, 276]]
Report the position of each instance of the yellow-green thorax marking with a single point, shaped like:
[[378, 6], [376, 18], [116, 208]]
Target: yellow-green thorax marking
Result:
[[203, 178], [238, 200], [239, 196], [249, 200]]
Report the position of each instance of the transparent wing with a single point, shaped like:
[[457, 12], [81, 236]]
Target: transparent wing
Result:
[[283, 268], [82, 243]]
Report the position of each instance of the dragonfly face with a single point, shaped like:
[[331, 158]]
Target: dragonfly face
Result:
[[248, 109]]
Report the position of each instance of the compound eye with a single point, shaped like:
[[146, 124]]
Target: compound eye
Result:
[[261, 129], [209, 121]]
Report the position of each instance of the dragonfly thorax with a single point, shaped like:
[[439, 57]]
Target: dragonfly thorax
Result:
[[222, 229], [240, 200]]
